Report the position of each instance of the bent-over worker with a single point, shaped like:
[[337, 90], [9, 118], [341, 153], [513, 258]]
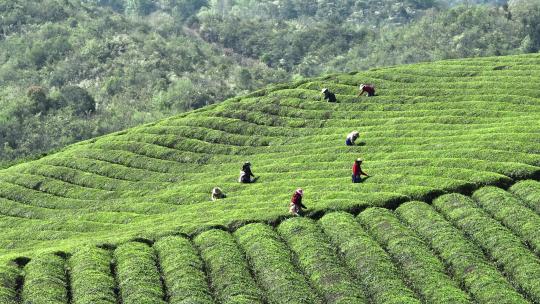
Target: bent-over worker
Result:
[[217, 194], [331, 97], [367, 88], [296, 205], [351, 138], [357, 171]]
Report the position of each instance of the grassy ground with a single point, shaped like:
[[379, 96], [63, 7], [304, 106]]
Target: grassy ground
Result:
[[435, 128]]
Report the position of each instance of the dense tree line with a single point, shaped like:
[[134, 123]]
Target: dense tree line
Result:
[[75, 69]]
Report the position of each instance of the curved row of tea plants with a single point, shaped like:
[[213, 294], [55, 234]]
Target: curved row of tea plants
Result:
[[456, 251], [433, 128]]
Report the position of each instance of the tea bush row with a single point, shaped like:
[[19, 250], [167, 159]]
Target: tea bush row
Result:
[[422, 268], [319, 262], [510, 211], [466, 261], [503, 247], [45, 281], [92, 280], [368, 261], [183, 271], [272, 264], [138, 276], [227, 269]]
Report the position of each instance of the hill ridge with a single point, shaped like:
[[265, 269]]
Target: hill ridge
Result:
[[420, 136]]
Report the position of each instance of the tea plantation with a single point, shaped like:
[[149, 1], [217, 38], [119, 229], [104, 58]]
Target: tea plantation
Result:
[[449, 214]]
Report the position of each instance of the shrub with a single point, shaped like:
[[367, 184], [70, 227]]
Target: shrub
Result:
[[367, 260], [91, 278], [78, 99], [466, 261], [227, 268], [138, 275], [503, 247], [9, 275], [318, 260], [423, 269], [272, 264], [510, 211], [529, 192], [45, 281], [182, 271]]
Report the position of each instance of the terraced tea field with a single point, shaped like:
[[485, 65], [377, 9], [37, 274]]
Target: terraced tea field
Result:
[[460, 249], [450, 213]]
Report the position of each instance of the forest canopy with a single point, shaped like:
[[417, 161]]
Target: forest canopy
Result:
[[71, 70]]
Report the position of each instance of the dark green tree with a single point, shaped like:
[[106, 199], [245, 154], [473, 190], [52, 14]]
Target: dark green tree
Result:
[[77, 99]]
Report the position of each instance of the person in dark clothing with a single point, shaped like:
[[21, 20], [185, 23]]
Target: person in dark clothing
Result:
[[296, 206], [367, 88], [246, 174], [357, 171], [331, 97]]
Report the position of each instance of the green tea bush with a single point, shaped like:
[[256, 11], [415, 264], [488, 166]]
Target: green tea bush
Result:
[[466, 261], [510, 211], [92, 281], [138, 276], [503, 247], [529, 192], [272, 264], [183, 271], [45, 281], [227, 268], [423, 269], [367, 260], [9, 275], [318, 260]]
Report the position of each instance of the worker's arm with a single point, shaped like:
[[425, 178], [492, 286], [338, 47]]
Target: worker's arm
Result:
[[363, 173]]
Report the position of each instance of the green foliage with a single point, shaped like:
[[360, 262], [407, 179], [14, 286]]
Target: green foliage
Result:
[[436, 128], [227, 268], [529, 192], [138, 276], [91, 279], [182, 271], [45, 281], [78, 99], [507, 209], [503, 247], [8, 283], [422, 268], [272, 265], [370, 263], [124, 70], [141, 60], [466, 261], [318, 260]]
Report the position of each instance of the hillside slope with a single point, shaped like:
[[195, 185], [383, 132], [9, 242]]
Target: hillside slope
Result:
[[479, 249], [450, 126]]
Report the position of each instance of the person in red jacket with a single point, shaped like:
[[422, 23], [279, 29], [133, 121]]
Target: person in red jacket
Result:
[[296, 205], [357, 171], [367, 88]]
